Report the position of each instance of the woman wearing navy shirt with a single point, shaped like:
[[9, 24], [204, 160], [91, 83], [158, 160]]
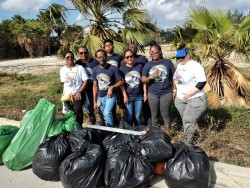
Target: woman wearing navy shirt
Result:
[[133, 88], [158, 74]]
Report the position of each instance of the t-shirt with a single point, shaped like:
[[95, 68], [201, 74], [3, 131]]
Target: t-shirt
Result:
[[187, 76], [72, 78], [132, 77], [105, 77], [114, 60], [141, 59], [88, 66], [162, 84]]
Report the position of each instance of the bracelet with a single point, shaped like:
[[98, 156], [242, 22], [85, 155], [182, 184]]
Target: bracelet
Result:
[[150, 76], [174, 90]]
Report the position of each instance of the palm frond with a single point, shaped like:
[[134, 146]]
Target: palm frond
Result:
[[93, 43]]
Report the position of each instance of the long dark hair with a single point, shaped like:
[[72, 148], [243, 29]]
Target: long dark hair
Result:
[[158, 47]]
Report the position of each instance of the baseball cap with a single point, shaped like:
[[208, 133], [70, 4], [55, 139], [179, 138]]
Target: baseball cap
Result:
[[182, 53]]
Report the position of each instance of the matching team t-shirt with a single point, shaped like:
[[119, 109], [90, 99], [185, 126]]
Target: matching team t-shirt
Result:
[[88, 66], [132, 78], [114, 60], [161, 85], [105, 78]]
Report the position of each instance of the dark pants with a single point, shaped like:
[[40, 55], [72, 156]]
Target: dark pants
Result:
[[146, 114], [89, 92], [120, 104], [76, 107], [162, 103]]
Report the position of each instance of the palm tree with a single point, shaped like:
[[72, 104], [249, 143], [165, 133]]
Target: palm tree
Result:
[[54, 19], [216, 36], [119, 20]]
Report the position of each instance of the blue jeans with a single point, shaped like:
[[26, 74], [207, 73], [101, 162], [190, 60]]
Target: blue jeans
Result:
[[106, 107], [133, 110]]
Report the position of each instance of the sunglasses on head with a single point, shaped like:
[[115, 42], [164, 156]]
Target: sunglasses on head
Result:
[[69, 57], [83, 53], [131, 56]]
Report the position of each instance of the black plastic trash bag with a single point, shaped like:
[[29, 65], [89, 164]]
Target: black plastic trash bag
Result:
[[155, 145], [49, 156], [189, 168], [82, 136], [126, 168], [7, 133], [83, 168]]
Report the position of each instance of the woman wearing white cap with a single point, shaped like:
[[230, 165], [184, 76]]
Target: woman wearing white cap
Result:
[[191, 100]]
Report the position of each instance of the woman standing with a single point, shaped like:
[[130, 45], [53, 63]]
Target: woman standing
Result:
[[74, 79], [158, 74], [191, 100], [133, 89]]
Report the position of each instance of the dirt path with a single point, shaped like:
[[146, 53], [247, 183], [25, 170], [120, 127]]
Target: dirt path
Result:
[[51, 64], [34, 65]]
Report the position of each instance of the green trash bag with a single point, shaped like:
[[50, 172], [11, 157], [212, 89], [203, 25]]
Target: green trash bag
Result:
[[34, 128], [7, 132], [68, 124]]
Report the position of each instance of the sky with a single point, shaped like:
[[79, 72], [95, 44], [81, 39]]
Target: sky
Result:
[[166, 13]]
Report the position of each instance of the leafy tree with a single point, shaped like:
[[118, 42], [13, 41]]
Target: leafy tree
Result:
[[212, 34], [120, 20], [9, 47], [30, 34], [54, 19]]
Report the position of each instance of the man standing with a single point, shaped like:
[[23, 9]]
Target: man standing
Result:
[[138, 58], [106, 78], [115, 60], [88, 64]]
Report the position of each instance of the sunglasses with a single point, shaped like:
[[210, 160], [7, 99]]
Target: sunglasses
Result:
[[100, 57], [69, 57], [153, 52], [131, 56], [83, 53], [178, 58]]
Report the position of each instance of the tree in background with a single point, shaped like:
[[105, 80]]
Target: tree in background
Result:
[[9, 46], [215, 35], [121, 21], [54, 19]]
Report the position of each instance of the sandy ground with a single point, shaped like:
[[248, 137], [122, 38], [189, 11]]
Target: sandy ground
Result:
[[50, 64], [32, 65]]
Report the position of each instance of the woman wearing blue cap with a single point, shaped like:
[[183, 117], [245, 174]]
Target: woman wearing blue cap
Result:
[[191, 100]]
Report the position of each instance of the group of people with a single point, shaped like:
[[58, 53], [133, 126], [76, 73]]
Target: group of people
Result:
[[139, 87]]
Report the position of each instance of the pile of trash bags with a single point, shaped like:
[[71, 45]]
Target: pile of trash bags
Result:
[[61, 150], [20, 144]]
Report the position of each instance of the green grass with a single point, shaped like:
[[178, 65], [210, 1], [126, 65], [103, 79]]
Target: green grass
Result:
[[223, 132], [23, 91]]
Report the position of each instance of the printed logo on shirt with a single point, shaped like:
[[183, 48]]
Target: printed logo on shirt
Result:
[[177, 76], [103, 81], [113, 62], [133, 78], [162, 72], [89, 72], [70, 79]]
